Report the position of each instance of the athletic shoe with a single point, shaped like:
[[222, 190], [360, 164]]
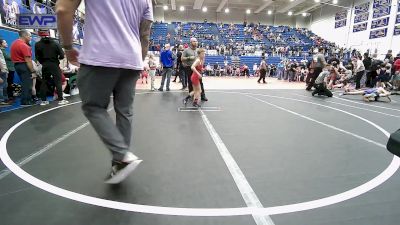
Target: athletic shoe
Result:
[[43, 103], [168, 89], [160, 89], [63, 102], [121, 169], [66, 95], [204, 99], [4, 103]]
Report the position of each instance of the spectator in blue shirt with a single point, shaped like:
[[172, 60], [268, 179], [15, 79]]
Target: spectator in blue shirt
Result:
[[281, 66], [167, 62]]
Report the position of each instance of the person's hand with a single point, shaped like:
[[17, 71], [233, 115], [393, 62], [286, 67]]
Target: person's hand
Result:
[[72, 56], [34, 75]]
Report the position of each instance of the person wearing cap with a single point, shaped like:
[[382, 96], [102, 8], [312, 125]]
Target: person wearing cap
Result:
[[49, 53], [189, 55]]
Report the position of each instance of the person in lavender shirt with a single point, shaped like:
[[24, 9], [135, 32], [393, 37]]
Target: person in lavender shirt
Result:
[[125, 25]]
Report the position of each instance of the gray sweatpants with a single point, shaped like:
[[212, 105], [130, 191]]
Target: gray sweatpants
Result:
[[96, 84]]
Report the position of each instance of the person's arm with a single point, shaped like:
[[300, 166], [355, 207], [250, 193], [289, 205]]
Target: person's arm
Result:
[[60, 52], [65, 10], [28, 61], [144, 32], [196, 63]]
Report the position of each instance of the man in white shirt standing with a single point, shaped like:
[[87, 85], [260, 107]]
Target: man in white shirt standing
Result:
[[125, 25]]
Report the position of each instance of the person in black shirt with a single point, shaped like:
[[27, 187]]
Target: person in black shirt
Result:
[[49, 53], [367, 64], [179, 68]]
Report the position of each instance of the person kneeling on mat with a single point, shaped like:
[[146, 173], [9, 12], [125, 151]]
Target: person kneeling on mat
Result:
[[321, 82]]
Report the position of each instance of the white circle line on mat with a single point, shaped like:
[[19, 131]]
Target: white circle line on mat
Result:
[[205, 212]]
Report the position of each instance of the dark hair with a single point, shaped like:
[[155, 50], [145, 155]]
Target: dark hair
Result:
[[1, 40], [23, 33]]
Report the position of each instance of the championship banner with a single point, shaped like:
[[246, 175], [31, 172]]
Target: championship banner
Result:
[[383, 22], [378, 33], [363, 8], [380, 12], [9, 10], [361, 18], [341, 23], [396, 30], [380, 3], [398, 7], [341, 15], [398, 19], [360, 27]]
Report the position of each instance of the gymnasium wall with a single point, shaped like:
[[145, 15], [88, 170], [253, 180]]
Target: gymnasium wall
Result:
[[323, 24], [234, 16]]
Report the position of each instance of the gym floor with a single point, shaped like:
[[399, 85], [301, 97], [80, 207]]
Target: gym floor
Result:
[[258, 156]]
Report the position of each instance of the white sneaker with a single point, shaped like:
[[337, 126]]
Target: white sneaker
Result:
[[66, 95], [129, 157], [63, 102], [43, 103]]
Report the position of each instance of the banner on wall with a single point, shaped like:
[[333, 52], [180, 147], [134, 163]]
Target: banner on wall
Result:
[[378, 33], [380, 12], [361, 18], [360, 9], [396, 30], [398, 7], [341, 23], [398, 19], [9, 10], [341, 15], [383, 22], [380, 3], [360, 27]]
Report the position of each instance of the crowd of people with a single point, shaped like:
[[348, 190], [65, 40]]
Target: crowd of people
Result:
[[33, 81]]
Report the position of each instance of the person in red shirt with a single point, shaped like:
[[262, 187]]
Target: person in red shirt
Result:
[[396, 63], [21, 56]]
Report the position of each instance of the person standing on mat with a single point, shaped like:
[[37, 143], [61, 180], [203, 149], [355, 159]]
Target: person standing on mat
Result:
[[113, 71], [196, 77], [189, 55], [167, 63], [320, 63]]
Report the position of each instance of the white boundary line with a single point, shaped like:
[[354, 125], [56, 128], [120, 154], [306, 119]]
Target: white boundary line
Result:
[[247, 192], [351, 106], [47, 147], [319, 122], [381, 178], [360, 103]]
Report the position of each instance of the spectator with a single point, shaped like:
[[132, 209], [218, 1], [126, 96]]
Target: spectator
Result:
[[10, 67], [21, 55], [167, 62], [49, 53]]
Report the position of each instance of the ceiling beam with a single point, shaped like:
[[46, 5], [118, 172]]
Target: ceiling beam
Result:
[[221, 5], [290, 6], [198, 4], [173, 5], [265, 5], [311, 8]]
